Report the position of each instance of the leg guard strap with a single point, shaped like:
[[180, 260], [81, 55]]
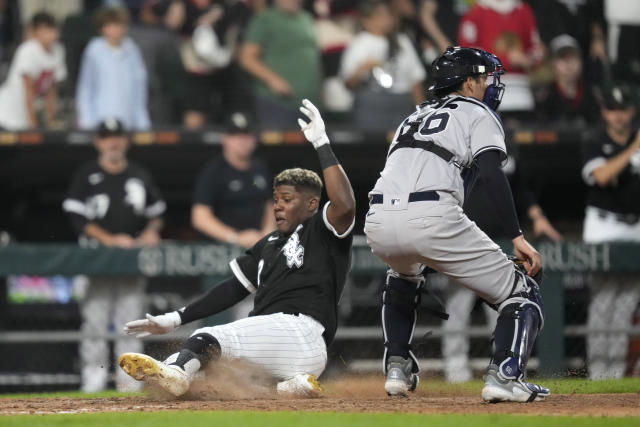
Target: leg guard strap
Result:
[[400, 299], [203, 347], [521, 318]]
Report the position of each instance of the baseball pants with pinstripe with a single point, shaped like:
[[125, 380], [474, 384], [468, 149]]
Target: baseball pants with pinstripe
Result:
[[284, 345]]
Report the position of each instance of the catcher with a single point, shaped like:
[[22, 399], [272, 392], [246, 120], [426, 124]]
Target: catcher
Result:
[[297, 274]]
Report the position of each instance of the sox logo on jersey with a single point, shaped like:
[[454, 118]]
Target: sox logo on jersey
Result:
[[293, 250]]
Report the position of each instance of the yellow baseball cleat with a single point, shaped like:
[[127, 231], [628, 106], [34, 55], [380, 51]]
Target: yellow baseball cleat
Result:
[[145, 368], [301, 385]]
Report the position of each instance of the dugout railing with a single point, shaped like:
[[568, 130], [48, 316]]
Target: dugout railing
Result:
[[183, 260]]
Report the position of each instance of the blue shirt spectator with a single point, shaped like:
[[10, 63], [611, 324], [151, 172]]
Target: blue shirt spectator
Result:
[[113, 77]]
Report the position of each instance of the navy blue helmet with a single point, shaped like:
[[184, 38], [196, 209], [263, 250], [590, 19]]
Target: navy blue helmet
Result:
[[457, 63]]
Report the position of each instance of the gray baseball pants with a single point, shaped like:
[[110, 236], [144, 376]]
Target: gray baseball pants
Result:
[[409, 236]]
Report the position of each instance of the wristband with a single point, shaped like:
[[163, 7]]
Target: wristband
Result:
[[326, 156]]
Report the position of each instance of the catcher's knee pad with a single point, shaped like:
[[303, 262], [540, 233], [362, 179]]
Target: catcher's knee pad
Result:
[[400, 300], [520, 319]]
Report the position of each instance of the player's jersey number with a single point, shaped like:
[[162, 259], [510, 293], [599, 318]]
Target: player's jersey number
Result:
[[435, 123]]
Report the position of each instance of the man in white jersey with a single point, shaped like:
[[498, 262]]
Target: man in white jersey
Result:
[[416, 220]]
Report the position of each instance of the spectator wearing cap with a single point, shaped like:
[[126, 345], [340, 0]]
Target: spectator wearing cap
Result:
[[112, 202], [113, 77], [611, 170], [36, 69], [232, 196], [569, 98]]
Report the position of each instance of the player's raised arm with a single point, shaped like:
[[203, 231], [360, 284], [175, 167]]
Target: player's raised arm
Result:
[[341, 211]]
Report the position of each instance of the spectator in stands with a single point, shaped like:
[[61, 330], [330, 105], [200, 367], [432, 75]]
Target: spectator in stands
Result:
[[113, 77], [611, 170], [383, 69], [280, 51], [335, 26], [460, 301], [160, 49], [437, 40], [232, 197], [569, 99], [210, 30], [508, 29], [112, 202], [37, 67], [582, 20], [623, 32]]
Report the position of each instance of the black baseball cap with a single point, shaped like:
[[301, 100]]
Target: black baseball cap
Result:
[[111, 127], [238, 122], [616, 97]]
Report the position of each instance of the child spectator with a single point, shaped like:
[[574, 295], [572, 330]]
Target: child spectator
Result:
[[37, 66], [113, 77]]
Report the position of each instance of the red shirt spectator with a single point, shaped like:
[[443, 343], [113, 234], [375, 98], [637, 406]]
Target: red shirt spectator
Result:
[[506, 28]]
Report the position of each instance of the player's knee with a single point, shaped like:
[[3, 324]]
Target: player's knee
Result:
[[401, 293], [526, 295], [205, 347]]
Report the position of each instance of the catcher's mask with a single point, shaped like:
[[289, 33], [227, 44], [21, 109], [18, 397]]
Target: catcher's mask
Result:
[[457, 63]]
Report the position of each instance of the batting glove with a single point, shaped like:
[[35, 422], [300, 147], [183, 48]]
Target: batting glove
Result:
[[314, 131], [153, 325]]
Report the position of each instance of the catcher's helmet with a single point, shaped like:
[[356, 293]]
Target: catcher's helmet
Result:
[[457, 63]]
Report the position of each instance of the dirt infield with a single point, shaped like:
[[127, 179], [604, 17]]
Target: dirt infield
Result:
[[350, 395]]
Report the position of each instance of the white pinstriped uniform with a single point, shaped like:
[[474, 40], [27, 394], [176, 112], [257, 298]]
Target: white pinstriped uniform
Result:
[[297, 279], [284, 345]]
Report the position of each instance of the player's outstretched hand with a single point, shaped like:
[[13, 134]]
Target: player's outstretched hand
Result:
[[153, 325], [528, 254], [314, 131]]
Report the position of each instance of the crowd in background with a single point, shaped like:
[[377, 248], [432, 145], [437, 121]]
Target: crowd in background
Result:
[[153, 63]]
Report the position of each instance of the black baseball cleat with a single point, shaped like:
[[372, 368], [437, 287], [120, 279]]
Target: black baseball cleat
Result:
[[400, 378]]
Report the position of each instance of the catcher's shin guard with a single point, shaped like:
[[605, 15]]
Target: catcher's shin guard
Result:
[[400, 300], [521, 318]]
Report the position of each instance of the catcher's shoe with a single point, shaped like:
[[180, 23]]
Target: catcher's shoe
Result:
[[145, 368], [301, 385], [400, 376], [497, 389]]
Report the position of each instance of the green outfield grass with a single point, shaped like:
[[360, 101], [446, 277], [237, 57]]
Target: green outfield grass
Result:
[[297, 419], [556, 385]]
